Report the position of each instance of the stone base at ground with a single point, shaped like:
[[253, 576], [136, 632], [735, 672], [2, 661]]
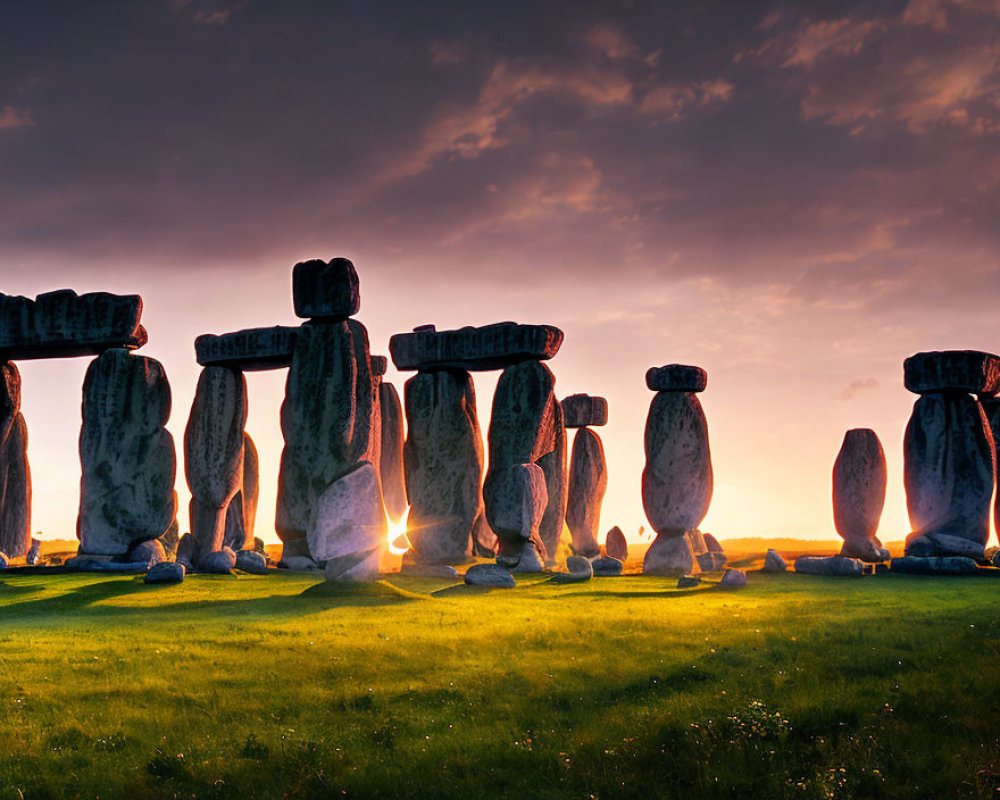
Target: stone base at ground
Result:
[[670, 555], [733, 579], [954, 565], [774, 562], [416, 570], [837, 566], [166, 572], [607, 567], [489, 575]]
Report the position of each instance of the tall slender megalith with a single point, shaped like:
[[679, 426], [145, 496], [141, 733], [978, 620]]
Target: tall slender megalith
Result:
[[859, 481], [588, 471], [15, 475], [391, 454]]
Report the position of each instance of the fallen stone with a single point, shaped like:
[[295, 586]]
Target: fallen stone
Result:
[[733, 579], [64, 324], [670, 556], [326, 290], [249, 350], [579, 564], [34, 553], [952, 370], [712, 543], [859, 481], [616, 545], [220, 562], [350, 529], [166, 572], [588, 482], [391, 453], [836, 566], [606, 567], [571, 577], [489, 575], [475, 349], [711, 561], [417, 570], [150, 553], [773, 562], [581, 410], [15, 474], [688, 581], [127, 458], [676, 378], [952, 565], [251, 561]]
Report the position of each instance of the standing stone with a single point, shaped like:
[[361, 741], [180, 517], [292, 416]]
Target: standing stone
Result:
[[443, 457], [524, 427], [616, 545], [328, 420], [859, 481], [553, 466], [949, 469], [242, 511], [991, 407], [588, 481], [213, 454], [391, 461], [519, 517], [127, 457], [15, 475]]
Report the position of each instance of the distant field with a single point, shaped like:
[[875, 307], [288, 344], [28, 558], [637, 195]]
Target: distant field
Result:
[[282, 686]]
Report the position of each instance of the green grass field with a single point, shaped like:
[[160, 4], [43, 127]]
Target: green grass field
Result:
[[282, 686]]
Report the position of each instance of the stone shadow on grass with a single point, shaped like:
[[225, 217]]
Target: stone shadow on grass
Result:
[[68, 602]]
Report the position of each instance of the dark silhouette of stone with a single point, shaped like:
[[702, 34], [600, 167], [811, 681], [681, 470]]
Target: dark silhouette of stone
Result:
[[218, 562], [773, 562], [688, 581], [950, 565], [391, 456], [329, 420], [149, 552], [249, 350], [991, 407], [676, 378], [127, 457], [213, 454], [15, 474], [489, 575], [326, 290], [588, 481], [553, 465], [859, 481], [581, 410], [607, 567], [833, 566], [476, 349], [616, 545], [350, 529], [712, 544], [63, 324], [952, 370], [949, 469], [166, 572], [251, 561], [733, 579], [379, 365]]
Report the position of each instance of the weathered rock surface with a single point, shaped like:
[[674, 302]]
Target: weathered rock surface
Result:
[[553, 466], [951, 565], [15, 474], [733, 579], [213, 454], [126, 455], [34, 553], [443, 458], [676, 378], [859, 481], [670, 555], [251, 561], [249, 350], [697, 540], [952, 370], [4, 561], [150, 553], [581, 410], [836, 566], [218, 562], [712, 543], [241, 514], [328, 418], [579, 570], [773, 562], [688, 581], [991, 408], [677, 480], [476, 349], [949, 470], [519, 499], [711, 561], [607, 567], [350, 529], [616, 545], [62, 323], [588, 481], [529, 562], [380, 364], [171, 537], [391, 457], [326, 290], [489, 575], [166, 572]]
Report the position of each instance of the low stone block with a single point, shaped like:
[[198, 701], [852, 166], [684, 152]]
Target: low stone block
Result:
[[951, 565], [688, 581], [249, 350], [166, 572], [476, 349], [251, 561], [582, 410], [219, 562], [489, 575], [326, 289], [418, 570], [607, 567], [711, 561], [952, 370], [712, 543], [733, 579], [676, 378], [836, 566], [773, 562]]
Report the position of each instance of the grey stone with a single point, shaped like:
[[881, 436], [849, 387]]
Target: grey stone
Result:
[[328, 419], [572, 577], [15, 474], [697, 540], [171, 537], [616, 545], [241, 514], [350, 530], [712, 543], [773, 562], [166, 572], [688, 581], [149, 553], [952, 370], [219, 562], [579, 564], [380, 365], [677, 480], [588, 481], [581, 410], [127, 457], [951, 565], [213, 454], [476, 349], [836, 566], [391, 454], [733, 579], [859, 480], [429, 571], [949, 470], [607, 567], [489, 575], [676, 378], [299, 564], [249, 350], [991, 407], [63, 324], [711, 561], [187, 550], [34, 553], [670, 555], [519, 499], [326, 290], [251, 561], [553, 466], [88, 563]]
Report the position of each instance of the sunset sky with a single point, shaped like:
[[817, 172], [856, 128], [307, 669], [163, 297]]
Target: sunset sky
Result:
[[794, 196]]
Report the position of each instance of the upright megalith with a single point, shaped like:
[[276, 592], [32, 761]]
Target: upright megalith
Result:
[[521, 500], [991, 407], [588, 471], [350, 529], [859, 481], [391, 452], [677, 480], [127, 457], [213, 454], [242, 512], [15, 475], [949, 456]]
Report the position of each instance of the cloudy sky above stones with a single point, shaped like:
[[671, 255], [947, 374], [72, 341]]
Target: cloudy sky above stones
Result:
[[793, 195]]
